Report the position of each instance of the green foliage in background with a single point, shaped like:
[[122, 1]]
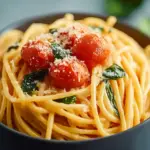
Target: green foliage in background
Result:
[[121, 7], [144, 26]]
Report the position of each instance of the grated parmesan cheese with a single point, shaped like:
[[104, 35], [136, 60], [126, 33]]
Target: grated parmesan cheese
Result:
[[63, 34]]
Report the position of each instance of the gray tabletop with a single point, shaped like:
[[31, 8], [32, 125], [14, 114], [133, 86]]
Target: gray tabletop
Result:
[[12, 10]]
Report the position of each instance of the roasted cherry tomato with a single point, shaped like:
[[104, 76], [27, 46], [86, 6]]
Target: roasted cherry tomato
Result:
[[37, 54], [69, 35], [68, 73], [92, 49]]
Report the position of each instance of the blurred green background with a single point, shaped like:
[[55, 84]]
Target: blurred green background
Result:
[[132, 12]]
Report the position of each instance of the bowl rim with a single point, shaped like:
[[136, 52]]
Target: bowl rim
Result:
[[20, 23], [13, 131]]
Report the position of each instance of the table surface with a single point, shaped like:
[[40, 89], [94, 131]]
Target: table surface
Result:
[[12, 10]]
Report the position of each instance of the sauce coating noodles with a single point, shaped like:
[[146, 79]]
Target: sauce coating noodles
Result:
[[40, 115]]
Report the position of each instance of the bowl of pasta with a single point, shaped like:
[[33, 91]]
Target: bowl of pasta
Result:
[[74, 81]]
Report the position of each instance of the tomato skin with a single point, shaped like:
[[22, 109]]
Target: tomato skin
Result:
[[71, 34], [37, 54], [69, 74], [92, 49], [68, 39], [71, 41]]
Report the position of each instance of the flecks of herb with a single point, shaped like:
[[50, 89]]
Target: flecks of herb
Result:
[[59, 52], [30, 81], [53, 30], [14, 46], [67, 100], [100, 29]]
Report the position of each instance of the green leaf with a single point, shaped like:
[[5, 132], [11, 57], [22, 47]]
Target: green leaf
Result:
[[53, 30], [59, 52], [67, 100], [14, 46], [29, 83], [144, 26], [100, 29], [113, 72], [111, 97]]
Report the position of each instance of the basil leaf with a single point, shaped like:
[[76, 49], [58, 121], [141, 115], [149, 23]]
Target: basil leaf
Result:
[[29, 83], [111, 97], [53, 30], [14, 46], [113, 72], [100, 29], [59, 52], [67, 100]]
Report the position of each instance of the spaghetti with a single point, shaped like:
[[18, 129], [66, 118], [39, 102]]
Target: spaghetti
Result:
[[113, 98]]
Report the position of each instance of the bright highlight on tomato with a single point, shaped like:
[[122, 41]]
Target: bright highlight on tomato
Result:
[[37, 54], [92, 49], [68, 73], [69, 36]]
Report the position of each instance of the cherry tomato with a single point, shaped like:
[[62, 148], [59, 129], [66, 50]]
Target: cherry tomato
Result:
[[37, 54], [71, 41], [92, 49], [71, 34], [68, 73]]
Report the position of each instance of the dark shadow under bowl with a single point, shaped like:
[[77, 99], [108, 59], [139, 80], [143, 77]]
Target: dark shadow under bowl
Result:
[[136, 138]]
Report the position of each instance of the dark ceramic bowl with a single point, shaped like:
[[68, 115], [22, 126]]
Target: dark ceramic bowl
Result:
[[137, 138]]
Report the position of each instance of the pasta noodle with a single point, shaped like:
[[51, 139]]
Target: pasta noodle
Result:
[[40, 115]]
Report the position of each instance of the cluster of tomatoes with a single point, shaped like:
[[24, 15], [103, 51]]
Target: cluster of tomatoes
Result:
[[89, 50]]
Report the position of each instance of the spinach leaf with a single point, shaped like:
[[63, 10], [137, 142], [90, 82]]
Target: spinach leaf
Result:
[[14, 46], [111, 97], [59, 52], [53, 30], [114, 72], [29, 83], [67, 100], [100, 29]]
